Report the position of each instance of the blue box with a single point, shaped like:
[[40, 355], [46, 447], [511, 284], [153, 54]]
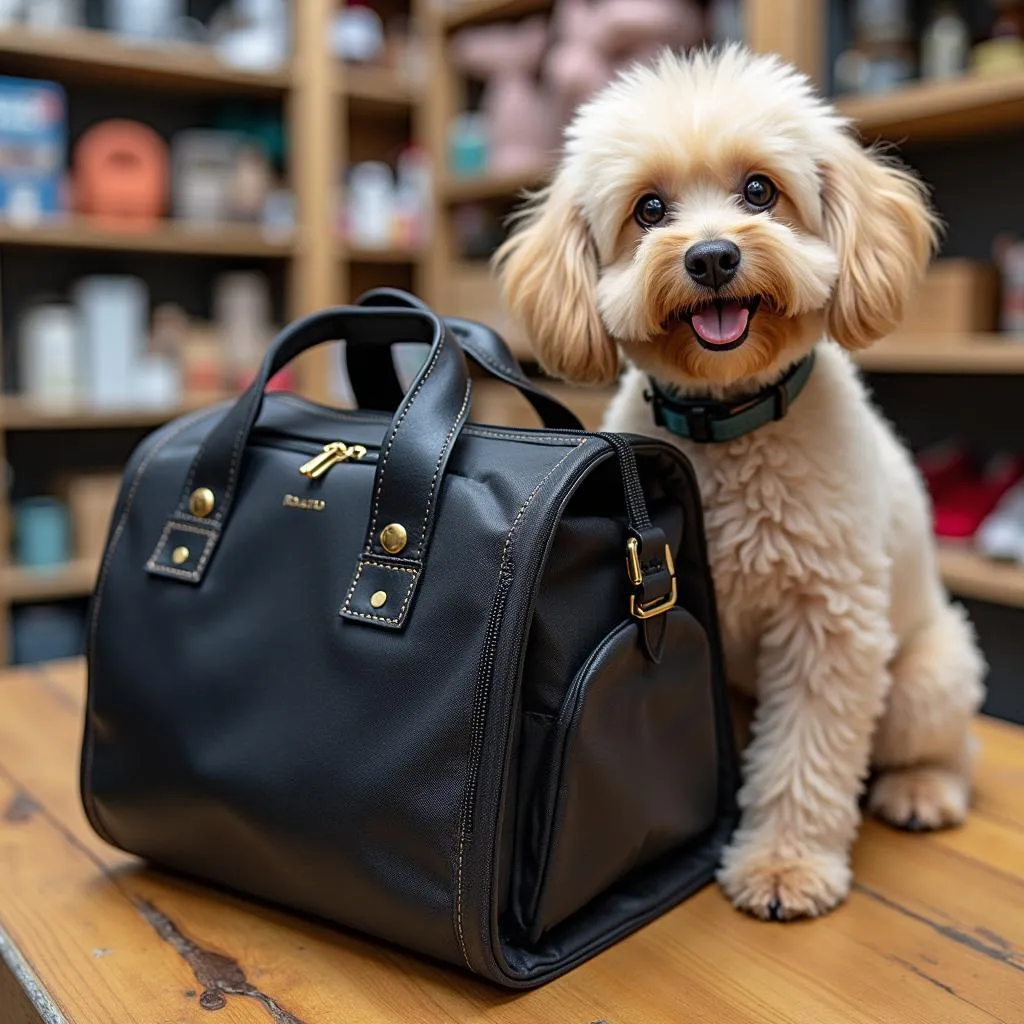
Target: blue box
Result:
[[33, 143]]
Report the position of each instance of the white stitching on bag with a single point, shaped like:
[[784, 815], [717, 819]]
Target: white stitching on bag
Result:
[[187, 422], [346, 608], [464, 815], [155, 565]]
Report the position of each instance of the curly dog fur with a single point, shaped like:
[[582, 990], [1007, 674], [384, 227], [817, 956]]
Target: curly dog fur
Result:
[[833, 615]]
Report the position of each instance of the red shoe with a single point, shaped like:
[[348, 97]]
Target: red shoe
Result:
[[961, 509], [945, 466]]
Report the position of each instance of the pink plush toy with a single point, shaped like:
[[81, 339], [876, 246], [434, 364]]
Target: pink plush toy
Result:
[[522, 127], [595, 38]]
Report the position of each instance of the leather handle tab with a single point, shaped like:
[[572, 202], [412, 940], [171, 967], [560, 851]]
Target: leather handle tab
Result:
[[409, 472]]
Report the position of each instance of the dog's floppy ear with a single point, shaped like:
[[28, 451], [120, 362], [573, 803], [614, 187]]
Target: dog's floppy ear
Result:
[[548, 270], [878, 220]]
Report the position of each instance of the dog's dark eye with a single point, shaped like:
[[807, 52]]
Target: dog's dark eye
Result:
[[759, 192], [650, 210]]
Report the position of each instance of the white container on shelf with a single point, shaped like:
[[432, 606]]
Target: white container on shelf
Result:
[[371, 204], [945, 44], [242, 312], [258, 37], [114, 312], [48, 355], [157, 382], [54, 15], [145, 19]]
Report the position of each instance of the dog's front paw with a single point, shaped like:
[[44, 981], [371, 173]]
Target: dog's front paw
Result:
[[921, 799], [763, 882]]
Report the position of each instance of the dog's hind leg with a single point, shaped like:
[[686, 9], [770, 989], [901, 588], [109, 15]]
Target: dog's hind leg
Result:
[[922, 746]]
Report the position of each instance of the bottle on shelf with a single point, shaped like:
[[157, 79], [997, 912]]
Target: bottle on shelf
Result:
[[945, 43]]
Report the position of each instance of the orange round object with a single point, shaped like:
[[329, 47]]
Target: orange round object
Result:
[[121, 175]]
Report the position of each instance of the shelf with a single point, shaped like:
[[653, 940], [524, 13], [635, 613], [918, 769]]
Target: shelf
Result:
[[968, 574], [391, 254], [87, 56], [375, 89], [965, 106], [496, 403], [969, 353], [475, 12], [21, 415], [242, 240], [503, 186], [74, 579]]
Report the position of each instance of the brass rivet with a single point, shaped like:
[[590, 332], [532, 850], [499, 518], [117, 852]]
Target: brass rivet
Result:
[[179, 555], [201, 503], [393, 538], [378, 599]]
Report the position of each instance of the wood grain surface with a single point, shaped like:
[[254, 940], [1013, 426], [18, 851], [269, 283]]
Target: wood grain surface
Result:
[[933, 932]]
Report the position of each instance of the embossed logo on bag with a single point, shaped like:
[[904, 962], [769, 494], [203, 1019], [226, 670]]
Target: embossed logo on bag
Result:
[[306, 504]]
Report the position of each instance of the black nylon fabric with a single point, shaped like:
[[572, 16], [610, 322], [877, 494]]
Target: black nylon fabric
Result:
[[243, 731]]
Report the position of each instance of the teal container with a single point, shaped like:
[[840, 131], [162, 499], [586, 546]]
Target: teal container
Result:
[[41, 533]]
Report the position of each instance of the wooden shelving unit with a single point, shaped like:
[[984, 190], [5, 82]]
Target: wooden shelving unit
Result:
[[373, 89], [18, 415], [960, 354], [460, 13], [493, 187], [317, 97], [89, 57], [23, 586], [964, 106], [391, 254], [177, 238], [968, 574]]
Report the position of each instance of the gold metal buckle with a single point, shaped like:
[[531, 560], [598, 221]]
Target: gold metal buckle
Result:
[[636, 577]]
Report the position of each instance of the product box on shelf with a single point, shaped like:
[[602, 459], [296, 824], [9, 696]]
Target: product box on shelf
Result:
[[474, 293], [957, 296], [33, 135], [90, 498]]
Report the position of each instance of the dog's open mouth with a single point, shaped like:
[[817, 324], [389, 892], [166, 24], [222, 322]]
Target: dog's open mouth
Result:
[[722, 324]]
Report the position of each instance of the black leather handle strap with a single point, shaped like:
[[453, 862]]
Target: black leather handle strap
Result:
[[413, 457], [375, 384]]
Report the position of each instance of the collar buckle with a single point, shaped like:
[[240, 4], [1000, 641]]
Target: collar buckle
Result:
[[699, 419], [780, 398]]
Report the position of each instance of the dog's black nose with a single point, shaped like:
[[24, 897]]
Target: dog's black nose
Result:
[[712, 264]]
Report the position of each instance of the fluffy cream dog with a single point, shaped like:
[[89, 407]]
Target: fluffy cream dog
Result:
[[714, 221]]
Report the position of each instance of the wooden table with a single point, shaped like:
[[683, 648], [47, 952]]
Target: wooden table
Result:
[[933, 933]]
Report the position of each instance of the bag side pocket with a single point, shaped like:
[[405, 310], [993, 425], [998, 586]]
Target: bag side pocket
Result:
[[630, 771]]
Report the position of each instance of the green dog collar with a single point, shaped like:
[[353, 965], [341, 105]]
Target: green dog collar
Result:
[[706, 420]]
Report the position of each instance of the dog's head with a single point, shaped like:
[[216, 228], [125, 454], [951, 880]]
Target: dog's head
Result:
[[713, 218]]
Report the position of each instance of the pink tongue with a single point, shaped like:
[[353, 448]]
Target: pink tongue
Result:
[[720, 324]]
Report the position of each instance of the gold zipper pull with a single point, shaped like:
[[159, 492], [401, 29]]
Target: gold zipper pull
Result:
[[333, 454]]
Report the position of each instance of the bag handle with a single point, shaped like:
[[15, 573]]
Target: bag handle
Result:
[[371, 371], [414, 454]]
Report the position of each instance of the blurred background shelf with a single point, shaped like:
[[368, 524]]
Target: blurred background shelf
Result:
[[968, 574], [18, 414], [391, 254], [970, 353], [74, 579], [241, 240], [504, 186], [473, 12], [92, 57], [373, 88], [970, 105]]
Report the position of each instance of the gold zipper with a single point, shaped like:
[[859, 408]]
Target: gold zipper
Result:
[[333, 454]]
